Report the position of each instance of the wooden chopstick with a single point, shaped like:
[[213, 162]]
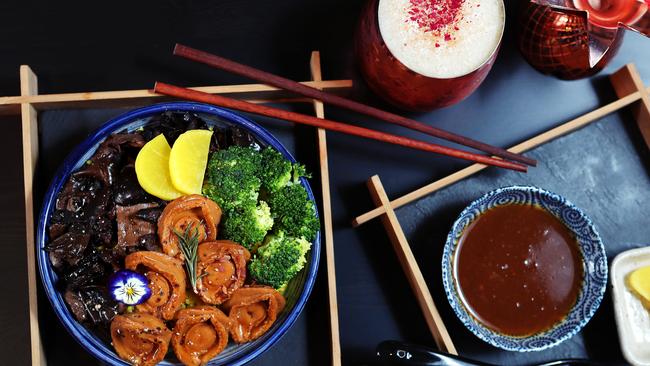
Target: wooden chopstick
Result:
[[184, 93], [290, 85], [529, 144]]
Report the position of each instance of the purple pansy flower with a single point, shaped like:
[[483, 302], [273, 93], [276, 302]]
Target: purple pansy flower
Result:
[[129, 287]]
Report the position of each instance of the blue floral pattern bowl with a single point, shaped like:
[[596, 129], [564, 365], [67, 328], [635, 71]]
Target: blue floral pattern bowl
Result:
[[297, 290], [591, 248]]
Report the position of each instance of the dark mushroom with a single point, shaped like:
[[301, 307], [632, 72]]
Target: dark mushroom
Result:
[[67, 248], [92, 305], [130, 228]]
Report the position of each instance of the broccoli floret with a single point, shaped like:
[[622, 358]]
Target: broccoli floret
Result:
[[231, 179], [294, 212], [279, 259], [276, 171], [247, 225], [298, 172], [244, 159]]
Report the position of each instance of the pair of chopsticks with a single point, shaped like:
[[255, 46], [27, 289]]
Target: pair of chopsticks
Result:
[[290, 85]]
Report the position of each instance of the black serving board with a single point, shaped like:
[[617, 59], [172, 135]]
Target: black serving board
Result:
[[603, 168]]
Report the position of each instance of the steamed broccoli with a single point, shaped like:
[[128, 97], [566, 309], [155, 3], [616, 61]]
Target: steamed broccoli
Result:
[[232, 179], [294, 212], [276, 171], [279, 259], [248, 225]]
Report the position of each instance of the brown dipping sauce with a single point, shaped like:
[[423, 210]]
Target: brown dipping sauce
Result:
[[519, 269]]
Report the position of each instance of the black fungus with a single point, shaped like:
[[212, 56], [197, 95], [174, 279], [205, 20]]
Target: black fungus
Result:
[[101, 229], [127, 189], [150, 243], [130, 228], [57, 229], [92, 305], [150, 214], [83, 196], [67, 249], [105, 163], [89, 270], [219, 140], [241, 137], [172, 125]]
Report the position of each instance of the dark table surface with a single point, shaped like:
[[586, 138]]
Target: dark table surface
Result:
[[89, 46]]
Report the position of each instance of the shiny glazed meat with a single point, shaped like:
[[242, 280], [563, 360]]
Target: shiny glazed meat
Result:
[[252, 311], [222, 270], [166, 277], [200, 334], [193, 211], [141, 339]]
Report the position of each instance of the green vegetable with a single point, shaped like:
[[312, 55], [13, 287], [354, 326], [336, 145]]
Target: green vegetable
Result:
[[278, 260], [275, 171], [248, 225], [188, 241], [232, 179], [293, 212]]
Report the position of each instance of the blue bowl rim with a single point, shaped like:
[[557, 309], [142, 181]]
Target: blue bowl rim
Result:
[[83, 336], [459, 308]]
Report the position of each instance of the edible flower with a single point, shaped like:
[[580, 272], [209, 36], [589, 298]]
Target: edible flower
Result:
[[129, 287]]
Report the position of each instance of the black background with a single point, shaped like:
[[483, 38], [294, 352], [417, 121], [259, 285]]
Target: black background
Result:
[[92, 46]]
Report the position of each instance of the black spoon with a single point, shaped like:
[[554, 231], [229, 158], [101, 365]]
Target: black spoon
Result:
[[398, 353]]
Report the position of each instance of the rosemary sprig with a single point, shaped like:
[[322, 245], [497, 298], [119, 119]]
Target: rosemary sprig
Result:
[[188, 241]]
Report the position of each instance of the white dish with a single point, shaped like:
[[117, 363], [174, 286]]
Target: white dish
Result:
[[632, 318]]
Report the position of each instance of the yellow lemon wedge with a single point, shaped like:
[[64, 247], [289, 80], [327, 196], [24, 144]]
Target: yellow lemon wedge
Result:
[[639, 283], [152, 169], [188, 159]]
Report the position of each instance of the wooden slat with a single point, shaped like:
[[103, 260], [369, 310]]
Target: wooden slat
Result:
[[529, 144], [411, 268], [29, 102], [627, 81], [29, 86], [327, 219], [257, 93]]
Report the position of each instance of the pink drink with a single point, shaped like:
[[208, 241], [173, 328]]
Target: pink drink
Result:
[[425, 54]]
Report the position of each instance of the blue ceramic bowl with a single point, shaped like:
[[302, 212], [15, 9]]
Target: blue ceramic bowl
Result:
[[297, 291], [591, 248]]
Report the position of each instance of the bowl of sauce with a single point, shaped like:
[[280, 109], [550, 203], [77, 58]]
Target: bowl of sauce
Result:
[[523, 268]]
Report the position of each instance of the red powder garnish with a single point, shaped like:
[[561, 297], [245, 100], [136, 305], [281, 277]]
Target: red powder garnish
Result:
[[435, 15]]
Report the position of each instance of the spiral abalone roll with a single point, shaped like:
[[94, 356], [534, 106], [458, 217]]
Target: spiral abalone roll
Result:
[[167, 280], [200, 334], [140, 339], [192, 211], [252, 311], [221, 269]]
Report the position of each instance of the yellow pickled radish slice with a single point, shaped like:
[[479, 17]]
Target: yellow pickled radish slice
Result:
[[188, 160], [639, 283], [152, 169]]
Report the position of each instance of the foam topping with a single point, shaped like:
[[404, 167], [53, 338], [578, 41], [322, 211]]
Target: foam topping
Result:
[[442, 38]]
